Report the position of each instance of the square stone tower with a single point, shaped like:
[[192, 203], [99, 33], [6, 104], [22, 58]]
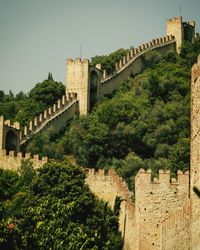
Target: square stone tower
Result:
[[195, 156], [174, 27], [78, 82], [9, 135], [182, 31], [84, 80]]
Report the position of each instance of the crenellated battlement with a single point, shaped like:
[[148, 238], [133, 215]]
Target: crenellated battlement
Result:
[[191, 23], [38, 123], [133, 55], [76, 60], [110, 175], [156, 198], [15, 125], [13, 160], [164, 177], [107, 185], [175, 20]]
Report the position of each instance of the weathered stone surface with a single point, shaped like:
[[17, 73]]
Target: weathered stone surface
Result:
[[166, 214]]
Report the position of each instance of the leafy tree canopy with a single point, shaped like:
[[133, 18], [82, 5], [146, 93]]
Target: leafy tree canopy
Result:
[[24, 107], [56, 210]]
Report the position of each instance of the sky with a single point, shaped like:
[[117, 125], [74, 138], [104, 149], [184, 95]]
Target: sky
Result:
[[37, 36]]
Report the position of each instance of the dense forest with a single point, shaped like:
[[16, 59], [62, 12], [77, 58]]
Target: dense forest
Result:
[[145, 124]]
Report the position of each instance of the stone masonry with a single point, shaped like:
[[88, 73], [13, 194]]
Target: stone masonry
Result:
[[195, 155], [166, 211], [180, 30]]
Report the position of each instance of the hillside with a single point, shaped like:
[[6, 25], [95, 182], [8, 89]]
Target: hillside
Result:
[[144, 124]]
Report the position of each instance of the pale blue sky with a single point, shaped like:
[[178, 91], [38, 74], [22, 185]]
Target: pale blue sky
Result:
[[37, 36]]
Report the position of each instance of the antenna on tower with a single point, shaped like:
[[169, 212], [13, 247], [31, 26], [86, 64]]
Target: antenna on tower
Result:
[[180, 9], [81, 50]]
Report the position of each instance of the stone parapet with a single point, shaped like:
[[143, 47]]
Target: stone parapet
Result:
[[145, 177], [47, 115], [13, 160], [135, 53], [156, 199]]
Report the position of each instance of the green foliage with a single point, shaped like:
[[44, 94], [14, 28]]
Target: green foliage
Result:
[[26, 172], [118, 201], [47, 91], [151, 58], [24, 107], [45, 144], [145, 124], [108, 62], [57, 211], [8, 184], [189, 52]]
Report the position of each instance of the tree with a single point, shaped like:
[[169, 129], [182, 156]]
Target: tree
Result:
[[59, 212], [1, 95]]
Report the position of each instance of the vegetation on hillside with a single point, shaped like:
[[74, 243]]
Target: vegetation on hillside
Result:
[[24, 107], [53, 208], [145, 124], [108, 61]]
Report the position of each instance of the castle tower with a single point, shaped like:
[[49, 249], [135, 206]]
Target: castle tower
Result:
[[195, 155], [83, 80], [9, 135], [155, 200], [174, 27], [182, 31]]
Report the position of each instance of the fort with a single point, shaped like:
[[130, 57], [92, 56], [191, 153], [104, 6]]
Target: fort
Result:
[[166, 211]]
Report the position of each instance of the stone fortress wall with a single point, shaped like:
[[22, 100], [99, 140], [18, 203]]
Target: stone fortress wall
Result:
[[56, 115], [182, 31], [195, 155], [175, 229], [155, 200], [84, 82], [133, 63], [162, 208], [13, 160], [12, 130], [107, 186]]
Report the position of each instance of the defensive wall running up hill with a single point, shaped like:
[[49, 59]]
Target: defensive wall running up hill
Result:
[[91, 83], [86, 84], [163, 215], [133, 63], [72, 103], [56, 116]]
